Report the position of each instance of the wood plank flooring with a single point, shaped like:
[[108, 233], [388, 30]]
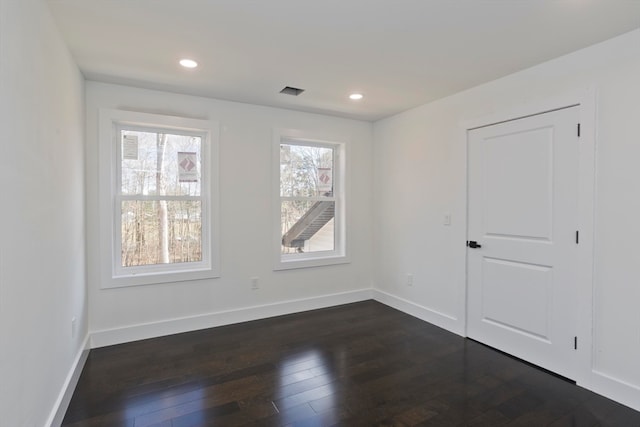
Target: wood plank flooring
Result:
[[362, 364]]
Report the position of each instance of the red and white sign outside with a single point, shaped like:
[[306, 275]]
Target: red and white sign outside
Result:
[[187, 167], [325, 180]]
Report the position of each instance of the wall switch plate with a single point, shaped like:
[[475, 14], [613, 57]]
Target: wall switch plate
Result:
[[446, 218], [409, 279], [254, 283]]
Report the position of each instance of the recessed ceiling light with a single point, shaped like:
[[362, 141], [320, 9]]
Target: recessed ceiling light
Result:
[[188, 63], [356, 96]]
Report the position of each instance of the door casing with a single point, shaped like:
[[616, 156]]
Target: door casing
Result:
[[585, 100]]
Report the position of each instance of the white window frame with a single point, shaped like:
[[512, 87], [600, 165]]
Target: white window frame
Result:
[[340, 254], [113, 275]]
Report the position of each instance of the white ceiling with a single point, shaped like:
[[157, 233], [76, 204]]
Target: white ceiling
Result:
[[399, 53]]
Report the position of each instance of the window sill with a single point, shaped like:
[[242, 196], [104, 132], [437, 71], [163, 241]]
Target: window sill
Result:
[[310, 262], [142, 279]]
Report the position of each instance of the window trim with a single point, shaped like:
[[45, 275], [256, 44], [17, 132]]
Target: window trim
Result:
[[340, 254], [112, 274]]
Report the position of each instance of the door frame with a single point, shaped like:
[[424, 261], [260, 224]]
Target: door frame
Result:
[[585, 100]]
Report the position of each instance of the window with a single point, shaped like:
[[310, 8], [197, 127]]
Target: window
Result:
[[310, 208], [158, 201]]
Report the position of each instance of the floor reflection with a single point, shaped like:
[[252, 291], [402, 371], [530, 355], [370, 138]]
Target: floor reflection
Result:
[[146, 411], [307, 383]]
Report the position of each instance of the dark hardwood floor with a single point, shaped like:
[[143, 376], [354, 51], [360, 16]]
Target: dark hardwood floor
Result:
[[362, 364]]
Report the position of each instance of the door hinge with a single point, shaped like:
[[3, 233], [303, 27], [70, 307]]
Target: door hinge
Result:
[[577, 237], [578, 129], [575, 343]]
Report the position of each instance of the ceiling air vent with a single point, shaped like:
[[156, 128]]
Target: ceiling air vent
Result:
[[288, 90]]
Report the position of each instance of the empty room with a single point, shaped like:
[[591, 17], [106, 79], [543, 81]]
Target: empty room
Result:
[[295, 213]]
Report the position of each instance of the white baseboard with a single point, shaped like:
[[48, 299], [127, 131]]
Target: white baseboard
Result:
[[62, 402], [173, 326], [614, 389], [434, 317]]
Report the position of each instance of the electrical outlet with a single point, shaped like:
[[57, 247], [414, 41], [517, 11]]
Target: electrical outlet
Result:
[[254, 283], [409, 279]]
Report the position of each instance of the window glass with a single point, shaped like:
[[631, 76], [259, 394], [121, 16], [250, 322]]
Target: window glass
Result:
[[311, 224], [161, 232], [305, 171], [160, 163], [165, 167]]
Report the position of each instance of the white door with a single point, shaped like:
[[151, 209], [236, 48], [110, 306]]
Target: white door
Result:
[[521, 274]]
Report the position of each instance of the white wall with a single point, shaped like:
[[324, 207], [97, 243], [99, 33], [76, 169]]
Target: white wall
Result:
[[246, 135], [420, 164], [42, 248]]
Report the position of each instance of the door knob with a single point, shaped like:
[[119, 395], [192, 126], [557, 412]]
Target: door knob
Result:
[[473, 244]]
